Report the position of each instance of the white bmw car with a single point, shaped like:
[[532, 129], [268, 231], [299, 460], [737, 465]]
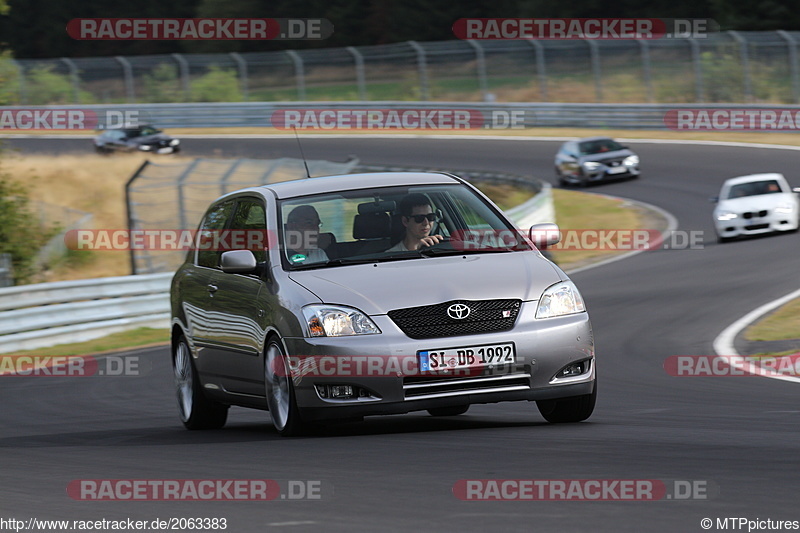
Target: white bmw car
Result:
[[755, 204]]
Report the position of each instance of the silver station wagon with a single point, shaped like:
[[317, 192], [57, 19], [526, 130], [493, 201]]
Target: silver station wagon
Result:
[[334, 298]]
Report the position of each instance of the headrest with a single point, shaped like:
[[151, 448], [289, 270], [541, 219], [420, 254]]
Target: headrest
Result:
[[371, 226]]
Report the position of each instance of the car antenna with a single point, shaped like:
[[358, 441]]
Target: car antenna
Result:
[[308, 174]]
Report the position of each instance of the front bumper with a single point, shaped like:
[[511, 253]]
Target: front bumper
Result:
[[543, 347], [770, 223]]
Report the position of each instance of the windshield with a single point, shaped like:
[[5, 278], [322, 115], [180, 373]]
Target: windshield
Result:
[[391, 224], [599, 146], [754, 188]]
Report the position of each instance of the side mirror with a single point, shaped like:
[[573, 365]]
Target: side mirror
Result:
[[238, 262], [714, 199], [544, 235], [796, 189]]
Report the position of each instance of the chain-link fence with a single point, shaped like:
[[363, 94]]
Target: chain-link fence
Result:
[[737, 67], [174, 197]]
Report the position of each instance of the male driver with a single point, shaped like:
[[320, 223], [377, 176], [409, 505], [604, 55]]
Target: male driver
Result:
[[418, 218], [302, 232]]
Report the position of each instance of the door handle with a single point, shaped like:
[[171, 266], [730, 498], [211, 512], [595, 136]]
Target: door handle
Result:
[[212, 287]]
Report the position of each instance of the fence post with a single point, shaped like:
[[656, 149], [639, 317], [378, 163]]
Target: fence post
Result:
[[360, 77], [480, 66], [6, 271], [183, 67], [594, 53], [73, 77], [698, 69], [23, 94], [648, 78], [540, 68], [299, 74], [242, 74], [422, 66], [127, 72], [792, 46], [748, 87], [129, 206]]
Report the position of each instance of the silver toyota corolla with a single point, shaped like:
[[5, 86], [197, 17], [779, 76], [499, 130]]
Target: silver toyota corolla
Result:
[[334, 298]]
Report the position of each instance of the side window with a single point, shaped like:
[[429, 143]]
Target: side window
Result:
[[250, 217], [210, 230]]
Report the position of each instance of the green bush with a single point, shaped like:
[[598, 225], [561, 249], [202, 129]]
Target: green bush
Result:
[[9, 80], [45, 87], [217, 85], [162, 85], [21, 233]]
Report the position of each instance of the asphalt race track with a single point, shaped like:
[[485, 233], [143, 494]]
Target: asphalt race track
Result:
[[738, 437]]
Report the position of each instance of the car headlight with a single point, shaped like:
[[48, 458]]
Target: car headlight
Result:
[[784, 208], [726, 215], [337, 321], [591, 165], [174, 142], [631, 161], [145, 147], [560, 299]]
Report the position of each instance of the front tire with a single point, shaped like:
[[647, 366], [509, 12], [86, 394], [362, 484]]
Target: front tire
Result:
[[568, 410], [197, 411], [280, 393]]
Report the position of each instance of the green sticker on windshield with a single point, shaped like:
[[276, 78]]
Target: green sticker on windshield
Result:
[[297, 258]]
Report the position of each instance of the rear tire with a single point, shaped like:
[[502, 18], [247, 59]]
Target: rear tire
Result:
[[568, 410], [197, 411]]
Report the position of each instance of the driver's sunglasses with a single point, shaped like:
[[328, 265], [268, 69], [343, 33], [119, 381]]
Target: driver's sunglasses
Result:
[[419, 219]]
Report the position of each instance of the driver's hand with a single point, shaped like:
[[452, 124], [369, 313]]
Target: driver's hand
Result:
[[430, 240]]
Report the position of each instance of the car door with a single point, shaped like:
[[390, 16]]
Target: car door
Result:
[[240, 305]]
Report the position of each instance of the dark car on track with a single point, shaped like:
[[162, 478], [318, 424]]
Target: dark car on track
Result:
[[142, 138], [594, 159]]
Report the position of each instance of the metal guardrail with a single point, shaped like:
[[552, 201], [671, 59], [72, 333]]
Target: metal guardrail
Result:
[[46, 314], [530, 115]]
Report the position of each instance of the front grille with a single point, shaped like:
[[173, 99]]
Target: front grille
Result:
[[756, 226], [428, 321], [613, 162], [437, 388], [750, 215]]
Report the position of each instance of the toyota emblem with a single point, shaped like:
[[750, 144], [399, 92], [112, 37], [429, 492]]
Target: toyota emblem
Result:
[[458, 311]]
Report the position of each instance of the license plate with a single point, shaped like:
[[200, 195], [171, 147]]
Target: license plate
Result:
[[616, 170], [467, 357]]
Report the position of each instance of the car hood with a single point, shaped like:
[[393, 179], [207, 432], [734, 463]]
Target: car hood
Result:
[[602, 156], [756, 203], [377, 288]]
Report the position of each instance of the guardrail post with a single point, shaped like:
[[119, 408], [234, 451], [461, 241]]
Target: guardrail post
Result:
[[594, 53], [480, 66], [129, 206], [74, 80], [127, 73], [698, 69], [648, 79], [540, 68], [422, 67], [183, 67], [242, 74], [360, 75], [23, 93], [748, 88], [793, 69], [299, 74]]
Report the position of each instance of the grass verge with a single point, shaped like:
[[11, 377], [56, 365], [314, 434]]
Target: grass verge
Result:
[[781, 324], [110, 343]]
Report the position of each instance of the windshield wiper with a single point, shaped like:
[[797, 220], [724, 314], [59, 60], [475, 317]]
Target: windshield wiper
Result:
[[430, 252]]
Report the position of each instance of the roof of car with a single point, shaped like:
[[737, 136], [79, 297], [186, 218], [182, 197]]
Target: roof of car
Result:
[[754, 177], [589, 139], [326, 184]]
